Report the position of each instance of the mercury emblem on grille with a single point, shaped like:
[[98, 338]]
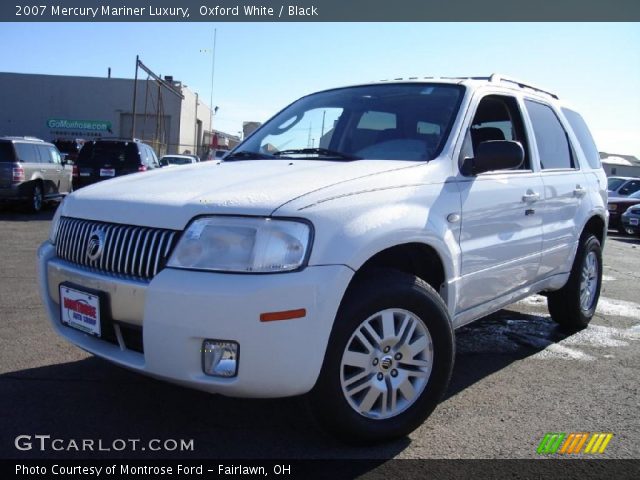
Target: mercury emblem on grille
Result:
[[95, 245]]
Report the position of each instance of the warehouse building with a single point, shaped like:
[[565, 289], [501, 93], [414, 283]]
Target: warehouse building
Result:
[[169, 116]]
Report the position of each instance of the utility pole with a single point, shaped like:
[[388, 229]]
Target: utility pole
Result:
[[135, 94], [213, 69], [195, 134]]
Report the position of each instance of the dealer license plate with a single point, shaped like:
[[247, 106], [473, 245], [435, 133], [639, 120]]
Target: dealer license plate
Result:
[[80, 310], [107, 172], [633, 221]]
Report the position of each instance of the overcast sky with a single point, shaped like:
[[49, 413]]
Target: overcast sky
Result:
[[261, 67]]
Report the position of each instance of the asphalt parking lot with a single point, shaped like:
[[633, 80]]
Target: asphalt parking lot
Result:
[[516, 378]]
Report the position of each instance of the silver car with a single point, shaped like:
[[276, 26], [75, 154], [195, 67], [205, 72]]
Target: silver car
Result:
[[32, 172]]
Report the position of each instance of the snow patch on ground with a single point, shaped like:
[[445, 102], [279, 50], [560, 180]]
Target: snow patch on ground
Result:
[[594, 336], [559, 351], [619, 308], [606, 306]]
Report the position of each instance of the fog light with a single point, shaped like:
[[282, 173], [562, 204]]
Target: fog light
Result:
[[220, 358]]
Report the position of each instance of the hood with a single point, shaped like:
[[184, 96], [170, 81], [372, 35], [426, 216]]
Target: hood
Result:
[[171, 197]]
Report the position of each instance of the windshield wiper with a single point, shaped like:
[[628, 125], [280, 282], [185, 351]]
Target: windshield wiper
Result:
[[324, 152], [246, 155]]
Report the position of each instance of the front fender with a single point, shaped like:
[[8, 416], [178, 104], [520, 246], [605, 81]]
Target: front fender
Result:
[[351, 229]]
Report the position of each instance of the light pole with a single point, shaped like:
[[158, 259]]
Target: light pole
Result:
[[213, 70]]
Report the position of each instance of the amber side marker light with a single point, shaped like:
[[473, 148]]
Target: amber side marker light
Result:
[[286, 315]]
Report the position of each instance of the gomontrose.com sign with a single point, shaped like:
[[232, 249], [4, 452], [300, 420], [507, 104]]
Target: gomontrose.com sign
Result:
[[89, 125]]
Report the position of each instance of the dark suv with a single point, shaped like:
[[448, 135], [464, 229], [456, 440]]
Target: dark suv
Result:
[[107, 158], [32, 172]]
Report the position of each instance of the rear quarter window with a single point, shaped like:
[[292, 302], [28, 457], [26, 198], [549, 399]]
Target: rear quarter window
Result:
[[579, 127], [6, 152], [27, 152]]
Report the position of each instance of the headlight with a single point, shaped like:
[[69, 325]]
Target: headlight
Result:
[[243, 244], [53, 230]]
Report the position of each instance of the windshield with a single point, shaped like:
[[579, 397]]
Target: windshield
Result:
[[380, 122]]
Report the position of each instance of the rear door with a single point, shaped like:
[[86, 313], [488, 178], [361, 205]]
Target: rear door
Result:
[[34, 168], [565, 188], [51, 164]]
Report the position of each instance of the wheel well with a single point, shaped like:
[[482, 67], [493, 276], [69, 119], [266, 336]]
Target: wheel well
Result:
[[596, 227], [413, 258]]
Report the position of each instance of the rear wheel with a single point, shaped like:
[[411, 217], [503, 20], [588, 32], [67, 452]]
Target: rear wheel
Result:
[[388, 362], [36, 199], [574, 305]]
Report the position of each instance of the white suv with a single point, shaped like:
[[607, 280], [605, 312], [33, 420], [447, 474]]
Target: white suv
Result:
[[337, 248]]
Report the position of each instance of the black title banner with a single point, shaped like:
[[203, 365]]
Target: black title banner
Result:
[[329, 469], [317, 10]]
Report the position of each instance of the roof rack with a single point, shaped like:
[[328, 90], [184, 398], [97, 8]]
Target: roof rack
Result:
[[25, 137], [122, 139], [495, 77]]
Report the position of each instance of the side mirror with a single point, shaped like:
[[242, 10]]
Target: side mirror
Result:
[[495, 155]]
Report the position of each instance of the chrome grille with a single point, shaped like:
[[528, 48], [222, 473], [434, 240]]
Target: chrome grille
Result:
[[129, 251]]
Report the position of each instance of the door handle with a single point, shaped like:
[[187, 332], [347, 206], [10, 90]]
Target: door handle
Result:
[[43, 170], [530, 196], [579, 191]]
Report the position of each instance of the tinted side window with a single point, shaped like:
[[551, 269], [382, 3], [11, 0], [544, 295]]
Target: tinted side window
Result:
[[551, 138], [48, 154], [26, 152], [496, 118], [584, 137], [43, 153], [54, 154], [630, 187], [154, 158]]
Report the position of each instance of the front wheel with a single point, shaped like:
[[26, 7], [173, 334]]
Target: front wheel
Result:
[[388, 361], [622, 229], [574, 305]]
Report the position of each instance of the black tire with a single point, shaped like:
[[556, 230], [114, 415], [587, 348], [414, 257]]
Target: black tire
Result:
[[565, 304], [36, 198], [376, 292], [625, 230]]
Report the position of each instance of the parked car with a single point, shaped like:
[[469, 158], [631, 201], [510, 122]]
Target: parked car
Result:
[[617, 206], [622, 186], [32, 172], [170, 160], [334, 252], [108, 158], [630, 220], [70, 148], [220, 154]]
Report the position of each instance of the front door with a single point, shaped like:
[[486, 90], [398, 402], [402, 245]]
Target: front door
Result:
[[501, 227]]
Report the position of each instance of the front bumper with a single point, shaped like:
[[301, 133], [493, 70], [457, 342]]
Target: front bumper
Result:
[[178, 309], [626, 222]]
